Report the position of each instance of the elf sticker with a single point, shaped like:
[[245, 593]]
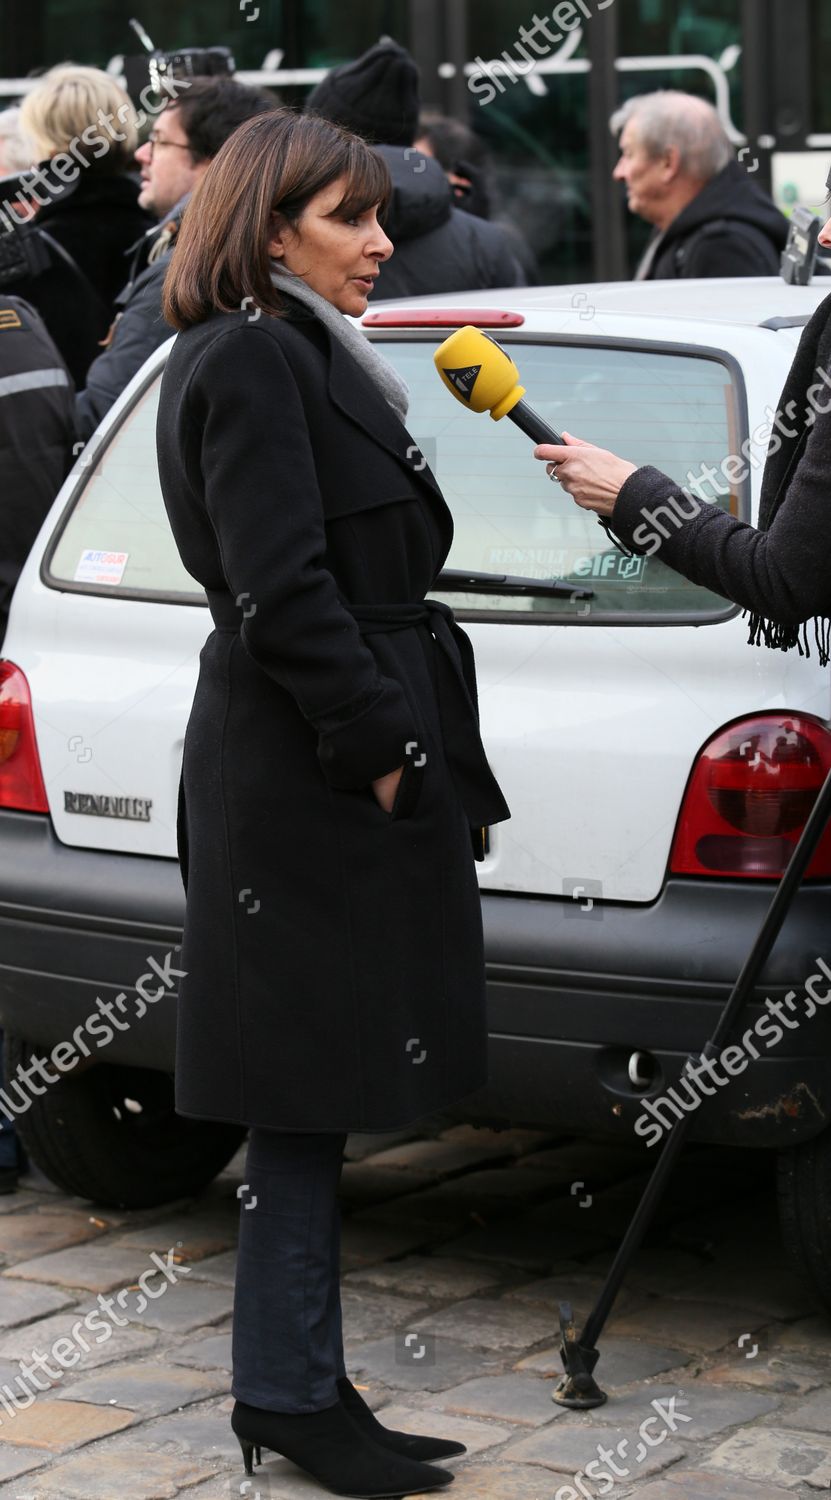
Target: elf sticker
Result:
[[97, 566]]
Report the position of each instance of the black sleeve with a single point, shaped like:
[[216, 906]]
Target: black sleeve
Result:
[[783, 573], [139, 330], [262, 497]]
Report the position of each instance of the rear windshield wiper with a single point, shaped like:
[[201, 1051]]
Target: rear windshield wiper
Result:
[[458, 581]]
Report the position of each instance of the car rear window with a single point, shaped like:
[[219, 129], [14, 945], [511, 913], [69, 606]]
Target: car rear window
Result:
[[675, 410], [116, 538]]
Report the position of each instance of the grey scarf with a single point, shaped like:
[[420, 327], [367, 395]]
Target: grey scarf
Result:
[[647, 260], [385, 376]]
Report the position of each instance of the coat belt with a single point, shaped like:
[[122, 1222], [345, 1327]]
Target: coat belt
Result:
[[475, 783]]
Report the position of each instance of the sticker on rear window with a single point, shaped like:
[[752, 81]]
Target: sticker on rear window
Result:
[[565, 562], [96, 566]]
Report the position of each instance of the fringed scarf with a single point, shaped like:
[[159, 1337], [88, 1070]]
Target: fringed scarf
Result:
[[781, 475]]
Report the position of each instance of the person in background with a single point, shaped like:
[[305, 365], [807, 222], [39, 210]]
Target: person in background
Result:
[[438, 248], [80, 204], [780, 572], [185, 137], [36, 433], [97, 216], [464, 157], [709, 217], [16, 151], [467, 166]]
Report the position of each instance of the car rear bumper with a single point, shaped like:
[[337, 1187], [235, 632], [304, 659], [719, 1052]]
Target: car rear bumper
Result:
[[77, 925], [573, 990], [596, 983]]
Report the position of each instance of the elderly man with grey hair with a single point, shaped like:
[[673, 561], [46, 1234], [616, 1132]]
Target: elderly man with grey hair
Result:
[[710, 218]]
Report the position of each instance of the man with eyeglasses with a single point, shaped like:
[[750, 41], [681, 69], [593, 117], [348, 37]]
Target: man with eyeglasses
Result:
[[185, 138]]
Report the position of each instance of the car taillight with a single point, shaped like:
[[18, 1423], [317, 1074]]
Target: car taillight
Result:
[[750, 792], [21, 780]]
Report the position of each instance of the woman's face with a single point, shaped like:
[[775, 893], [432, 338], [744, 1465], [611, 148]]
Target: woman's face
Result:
[[335, 256]]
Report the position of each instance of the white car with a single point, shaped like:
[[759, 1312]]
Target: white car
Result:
[[658, 769]]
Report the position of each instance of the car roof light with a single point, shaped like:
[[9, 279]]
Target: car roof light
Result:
[[443, 317]]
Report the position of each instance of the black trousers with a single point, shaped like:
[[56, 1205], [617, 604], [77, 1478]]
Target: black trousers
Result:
[[287, 1334]]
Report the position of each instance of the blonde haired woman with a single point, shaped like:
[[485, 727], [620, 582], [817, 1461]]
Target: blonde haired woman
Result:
[[83, 126]]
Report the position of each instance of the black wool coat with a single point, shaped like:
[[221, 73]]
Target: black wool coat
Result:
[[333, 951]]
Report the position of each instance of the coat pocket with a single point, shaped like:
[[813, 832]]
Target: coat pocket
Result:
[[408, 791]]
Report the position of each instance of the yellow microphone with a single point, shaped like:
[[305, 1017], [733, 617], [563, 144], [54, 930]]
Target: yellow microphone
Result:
[[483, 377]]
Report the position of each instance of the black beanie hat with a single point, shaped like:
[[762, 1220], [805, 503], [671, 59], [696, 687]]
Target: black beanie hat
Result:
[[376, 96]]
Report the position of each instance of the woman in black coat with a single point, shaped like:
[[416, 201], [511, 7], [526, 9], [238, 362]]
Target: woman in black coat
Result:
[[334, 783], [781, 572]]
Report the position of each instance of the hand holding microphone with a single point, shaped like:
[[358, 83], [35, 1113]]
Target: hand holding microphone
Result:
[[482, 376], [592, 476]]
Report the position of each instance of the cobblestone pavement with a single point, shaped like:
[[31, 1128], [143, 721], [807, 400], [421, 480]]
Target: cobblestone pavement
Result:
[[457, 1248]]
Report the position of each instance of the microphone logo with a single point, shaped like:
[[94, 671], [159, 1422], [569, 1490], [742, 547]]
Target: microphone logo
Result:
[[464, 380]]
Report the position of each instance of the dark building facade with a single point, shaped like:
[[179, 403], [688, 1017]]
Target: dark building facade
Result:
[[539, 95]]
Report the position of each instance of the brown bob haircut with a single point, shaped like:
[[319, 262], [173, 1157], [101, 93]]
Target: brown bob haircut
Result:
[[271, 165]]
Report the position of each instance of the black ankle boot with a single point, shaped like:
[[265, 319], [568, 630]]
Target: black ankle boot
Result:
[[333, 1450], [408, 1443]]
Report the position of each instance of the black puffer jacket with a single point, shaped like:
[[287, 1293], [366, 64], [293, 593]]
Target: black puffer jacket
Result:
[[438, 248], [35, 435], [139, 328], [732, 228]]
